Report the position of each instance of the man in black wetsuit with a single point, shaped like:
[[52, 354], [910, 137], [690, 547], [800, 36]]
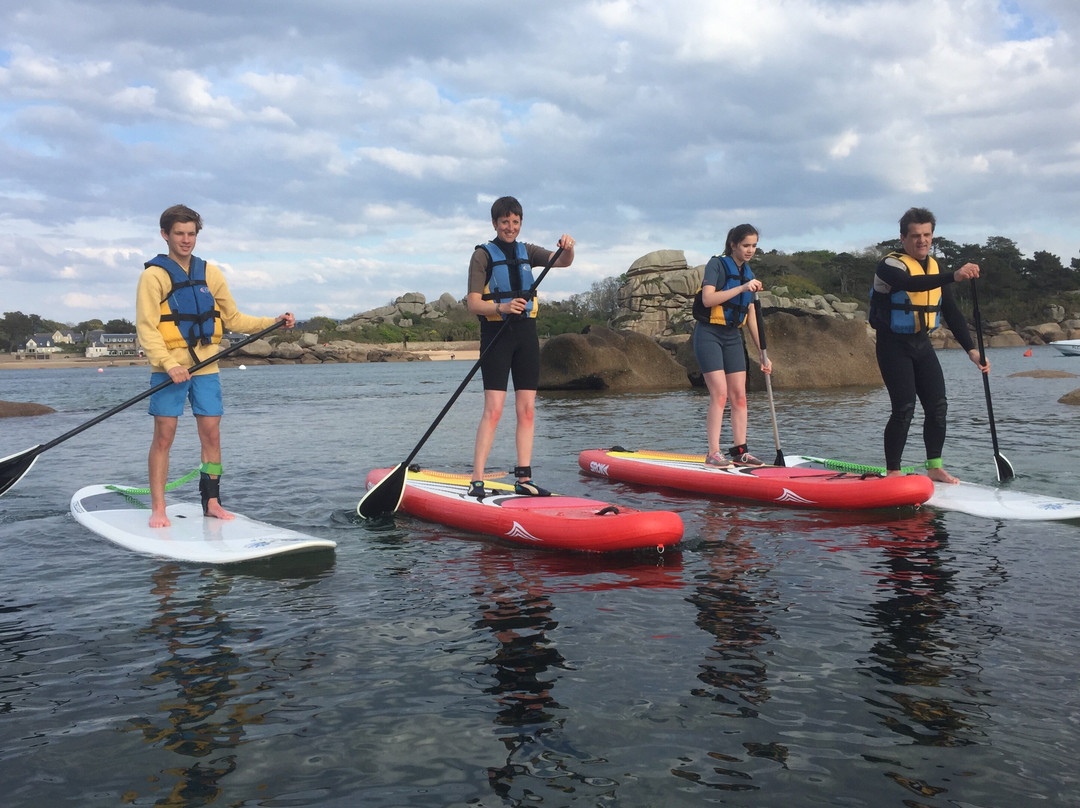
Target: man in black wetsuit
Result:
[[909, 297]]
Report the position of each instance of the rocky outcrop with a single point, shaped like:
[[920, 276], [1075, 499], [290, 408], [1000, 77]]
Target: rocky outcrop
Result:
[[19, 409], [807, 352], [1070, 398], [405, 311], [659, 291], [307, 350], [603, 359], [814, 352]]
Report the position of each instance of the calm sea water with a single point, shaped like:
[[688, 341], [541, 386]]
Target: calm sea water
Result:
[[782, 657]]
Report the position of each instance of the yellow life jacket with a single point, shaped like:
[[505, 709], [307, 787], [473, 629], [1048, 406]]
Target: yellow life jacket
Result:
[[907, 312]]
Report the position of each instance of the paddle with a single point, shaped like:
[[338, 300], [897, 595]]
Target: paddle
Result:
[[1004, 468], [779, 461], [13, 467], [385, 496]]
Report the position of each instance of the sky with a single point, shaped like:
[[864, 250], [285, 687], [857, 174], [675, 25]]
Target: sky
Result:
[[345, 152]]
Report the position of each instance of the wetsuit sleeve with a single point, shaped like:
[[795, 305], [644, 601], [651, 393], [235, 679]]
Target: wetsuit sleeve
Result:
[[478, 271], [538, 258], [897, 277], [955, 319], [154, 286]]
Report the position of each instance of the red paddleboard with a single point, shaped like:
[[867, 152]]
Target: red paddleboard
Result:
[[774, 484], [556, 522]]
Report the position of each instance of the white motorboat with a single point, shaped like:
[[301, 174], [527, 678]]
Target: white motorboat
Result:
[[1069, 347]]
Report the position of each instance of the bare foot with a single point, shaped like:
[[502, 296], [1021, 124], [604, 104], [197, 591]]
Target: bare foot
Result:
[[894, 473], [941, 476], [213, 508], [159, 519]]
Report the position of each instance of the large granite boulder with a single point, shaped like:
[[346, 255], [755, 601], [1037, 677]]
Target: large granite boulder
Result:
[[287, 350], [19, 409], [810, 352], [807, 352], [259, 348], [603, 359]]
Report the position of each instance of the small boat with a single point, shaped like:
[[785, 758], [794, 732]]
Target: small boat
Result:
[[1069, 347]]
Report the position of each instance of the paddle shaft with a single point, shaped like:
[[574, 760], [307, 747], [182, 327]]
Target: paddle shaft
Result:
[[476, 366], [1004, 469], [779, 461], [385, 495], [147, 393]]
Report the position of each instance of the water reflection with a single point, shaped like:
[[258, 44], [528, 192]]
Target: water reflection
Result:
[[517, 611], [219, 694], [733, 598], [917, 658], [17, 639]]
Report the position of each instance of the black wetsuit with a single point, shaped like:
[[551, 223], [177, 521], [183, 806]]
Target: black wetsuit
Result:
[[910, 368]]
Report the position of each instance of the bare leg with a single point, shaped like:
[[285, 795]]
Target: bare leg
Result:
[[158, 467], [525, 407], [716, 382], [210, 439], [485, 432], [736, 384]]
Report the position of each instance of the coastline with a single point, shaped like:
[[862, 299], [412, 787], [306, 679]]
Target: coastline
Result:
[[434, 351]]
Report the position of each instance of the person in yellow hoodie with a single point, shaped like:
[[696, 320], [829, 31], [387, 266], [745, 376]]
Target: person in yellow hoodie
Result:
[[182, 308]]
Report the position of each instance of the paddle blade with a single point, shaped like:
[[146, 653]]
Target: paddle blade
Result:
[[13, 467], [385, 496], [780, 460], [1004, 468]]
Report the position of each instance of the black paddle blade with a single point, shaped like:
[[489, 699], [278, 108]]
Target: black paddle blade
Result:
[[385, 496], [13, 467], [1004, 468], [779, 461]]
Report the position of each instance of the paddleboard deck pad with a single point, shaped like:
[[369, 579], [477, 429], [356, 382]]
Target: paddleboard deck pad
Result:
[[554, 522], [981, 500], [124, 518], [799, 487]]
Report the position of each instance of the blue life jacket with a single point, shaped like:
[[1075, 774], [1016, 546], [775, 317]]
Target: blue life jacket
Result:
[[509, 278], [189, 314], [734, 311]]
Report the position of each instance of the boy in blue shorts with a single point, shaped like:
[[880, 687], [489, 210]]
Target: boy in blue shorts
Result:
[[182, 308]]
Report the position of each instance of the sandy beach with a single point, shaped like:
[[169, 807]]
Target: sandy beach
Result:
[[435, 351]]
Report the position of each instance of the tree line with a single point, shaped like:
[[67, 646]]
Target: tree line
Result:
[[16, 328], [1016, 288]]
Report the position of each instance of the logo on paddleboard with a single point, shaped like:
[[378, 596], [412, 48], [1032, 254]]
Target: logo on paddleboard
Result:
[[789, 496], [598, 468], [518, 532]]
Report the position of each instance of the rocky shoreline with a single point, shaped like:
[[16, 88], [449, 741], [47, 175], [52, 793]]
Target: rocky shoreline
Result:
[[364, 352]]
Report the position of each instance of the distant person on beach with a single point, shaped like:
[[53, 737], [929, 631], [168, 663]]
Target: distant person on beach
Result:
[[499, 292], [723, 305], [182, 308], [909, 295]]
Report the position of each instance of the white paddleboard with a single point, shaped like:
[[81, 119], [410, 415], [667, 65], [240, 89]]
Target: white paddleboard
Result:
[[1001, 503], [124, 519], [981, 500]]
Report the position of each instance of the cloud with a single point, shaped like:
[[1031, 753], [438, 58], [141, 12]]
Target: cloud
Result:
[[343, 153]]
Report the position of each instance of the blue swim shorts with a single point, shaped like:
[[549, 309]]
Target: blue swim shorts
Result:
[[204, 393]]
